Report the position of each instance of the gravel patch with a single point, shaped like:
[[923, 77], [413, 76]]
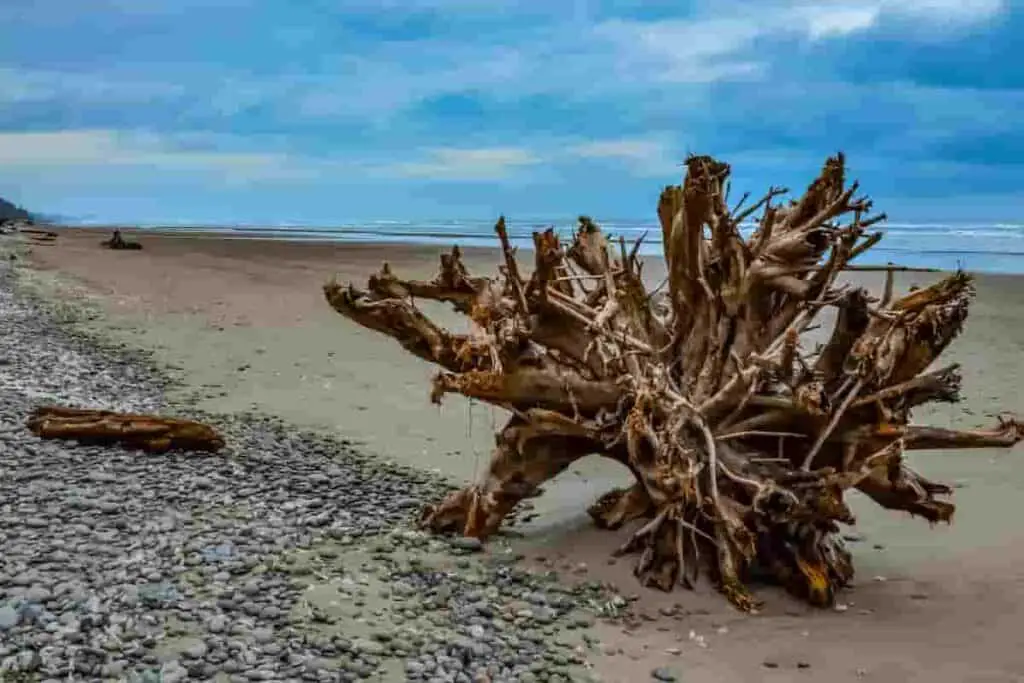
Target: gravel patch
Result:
[[289, 556]]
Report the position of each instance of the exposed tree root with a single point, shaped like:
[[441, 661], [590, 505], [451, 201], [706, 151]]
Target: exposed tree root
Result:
[[742, 441]]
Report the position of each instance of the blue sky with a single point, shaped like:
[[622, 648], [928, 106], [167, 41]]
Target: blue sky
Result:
[[325, 111]]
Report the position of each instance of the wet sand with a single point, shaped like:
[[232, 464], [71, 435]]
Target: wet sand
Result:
[[246, 322]]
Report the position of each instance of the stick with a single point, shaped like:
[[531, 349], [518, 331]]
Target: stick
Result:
[[831, 425], [513, 268]]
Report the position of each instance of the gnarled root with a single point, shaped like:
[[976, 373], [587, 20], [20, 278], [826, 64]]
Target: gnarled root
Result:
[[811, 563], [522, 460], [665, 543], [621, 506], [808, 558]]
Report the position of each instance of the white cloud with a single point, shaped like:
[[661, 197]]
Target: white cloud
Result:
[[491, 163], [641, 156], [105, 150], [410, 6], [941, 10], [368, 86], [569, 57], [50, 12], [711, 48], [649, 63], [237, 161], [158, 7], [842, 17], [638, 156], [827, 22], [680, 51], [21, 86], [632, 149]]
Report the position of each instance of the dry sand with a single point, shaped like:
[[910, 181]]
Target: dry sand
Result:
[[246, 322]]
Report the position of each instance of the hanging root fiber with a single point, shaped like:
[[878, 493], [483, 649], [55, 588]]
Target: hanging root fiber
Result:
[[742, 441]]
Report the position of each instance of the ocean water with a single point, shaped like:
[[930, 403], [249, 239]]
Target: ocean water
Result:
[[992, 248]]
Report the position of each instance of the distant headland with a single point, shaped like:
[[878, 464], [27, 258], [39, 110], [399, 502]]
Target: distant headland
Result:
[[13, 212]]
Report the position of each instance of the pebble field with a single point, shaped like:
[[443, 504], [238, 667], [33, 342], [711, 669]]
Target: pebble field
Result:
[[289, 556]]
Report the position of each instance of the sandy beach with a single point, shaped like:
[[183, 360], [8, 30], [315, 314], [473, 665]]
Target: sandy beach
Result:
[[246, 324]]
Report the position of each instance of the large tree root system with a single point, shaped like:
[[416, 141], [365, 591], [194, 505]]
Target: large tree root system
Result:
[[743, 441]]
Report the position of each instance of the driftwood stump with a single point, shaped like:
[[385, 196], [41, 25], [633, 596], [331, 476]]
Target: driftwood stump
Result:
[[146, 432], [117, 241], [742, 441]]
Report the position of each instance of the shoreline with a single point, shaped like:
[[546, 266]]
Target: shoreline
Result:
[[213, 307], [480, 242], [213, 567]]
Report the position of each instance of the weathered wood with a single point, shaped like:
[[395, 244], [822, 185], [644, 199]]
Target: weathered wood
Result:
[[149, 433], [117, 241], [742, 442]]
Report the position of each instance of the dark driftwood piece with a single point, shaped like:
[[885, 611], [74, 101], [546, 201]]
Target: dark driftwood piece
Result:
[[37, 232], [742, 440], [149, 433], [117, 241], [38, 236]]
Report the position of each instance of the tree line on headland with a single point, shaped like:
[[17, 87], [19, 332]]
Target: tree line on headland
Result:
[[12, 212]]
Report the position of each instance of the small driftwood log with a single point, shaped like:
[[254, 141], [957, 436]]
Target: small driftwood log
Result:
[[117, 241], [146, 432], [38, 232], [742, 441], [37, 236]]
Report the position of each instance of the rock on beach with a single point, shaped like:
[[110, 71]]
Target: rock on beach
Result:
[[287, 557]]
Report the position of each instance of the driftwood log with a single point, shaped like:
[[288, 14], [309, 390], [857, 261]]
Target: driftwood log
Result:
[[38, 232], [146, 432], [39, 236], [117, 241], [742, 441]]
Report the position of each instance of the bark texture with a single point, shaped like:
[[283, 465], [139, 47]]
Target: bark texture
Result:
[[149, 433], [743, 441]]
